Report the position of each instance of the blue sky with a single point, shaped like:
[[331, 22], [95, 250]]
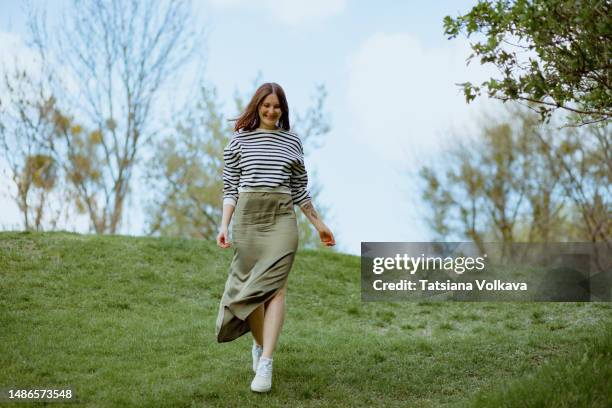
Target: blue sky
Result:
[[389, 72]]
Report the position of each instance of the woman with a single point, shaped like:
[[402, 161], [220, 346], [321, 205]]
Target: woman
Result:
[[263, 178]]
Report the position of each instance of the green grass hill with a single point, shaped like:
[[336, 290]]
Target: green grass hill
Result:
[[130, 321]]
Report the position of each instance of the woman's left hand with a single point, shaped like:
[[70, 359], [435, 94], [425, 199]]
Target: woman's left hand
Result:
[[327, 237]]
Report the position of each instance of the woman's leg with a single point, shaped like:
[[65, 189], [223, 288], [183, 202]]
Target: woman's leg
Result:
[[272, 312], [273, 321], [256, 324]]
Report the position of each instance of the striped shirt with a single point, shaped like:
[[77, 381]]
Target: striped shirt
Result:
[[268, 160]]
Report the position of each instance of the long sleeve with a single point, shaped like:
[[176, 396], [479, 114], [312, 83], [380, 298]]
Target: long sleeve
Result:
[[299, 180], [231, 172]]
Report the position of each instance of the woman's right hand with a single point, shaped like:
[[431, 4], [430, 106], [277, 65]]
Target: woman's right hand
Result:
[[223, 238]]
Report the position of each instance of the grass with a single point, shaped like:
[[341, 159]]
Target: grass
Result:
[[583, 379], [130, 321]]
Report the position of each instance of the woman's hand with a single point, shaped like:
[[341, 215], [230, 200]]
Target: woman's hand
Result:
[[223, 235], [327, 238], [223, 238]]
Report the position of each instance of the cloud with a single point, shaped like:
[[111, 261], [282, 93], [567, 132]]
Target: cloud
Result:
[[403, 97], [402, 109], [289, 12]]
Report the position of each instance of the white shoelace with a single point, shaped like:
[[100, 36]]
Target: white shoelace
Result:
[[264, 369]]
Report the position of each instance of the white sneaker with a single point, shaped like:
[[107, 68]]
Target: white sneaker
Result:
[[263, 378], [256, 352]]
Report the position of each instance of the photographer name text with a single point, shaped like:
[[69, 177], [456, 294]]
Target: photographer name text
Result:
[[426, 285]]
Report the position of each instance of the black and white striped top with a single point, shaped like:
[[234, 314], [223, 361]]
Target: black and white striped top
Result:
[[271, 160]]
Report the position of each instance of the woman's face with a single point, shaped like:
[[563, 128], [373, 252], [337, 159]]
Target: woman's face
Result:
[[269, 112]]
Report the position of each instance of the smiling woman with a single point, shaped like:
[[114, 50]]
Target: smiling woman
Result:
[[263, 178], [268, 109]]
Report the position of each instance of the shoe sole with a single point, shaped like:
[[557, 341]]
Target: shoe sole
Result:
[[255, 389]]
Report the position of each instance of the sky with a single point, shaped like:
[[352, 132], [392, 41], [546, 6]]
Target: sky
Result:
[[393, 102]]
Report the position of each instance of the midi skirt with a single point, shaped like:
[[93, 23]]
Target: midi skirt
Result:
[[265, 241]]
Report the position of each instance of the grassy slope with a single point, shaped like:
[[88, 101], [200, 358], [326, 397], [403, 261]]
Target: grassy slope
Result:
[[130, 322]]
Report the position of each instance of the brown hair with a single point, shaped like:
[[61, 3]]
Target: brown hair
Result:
[[249, 119]]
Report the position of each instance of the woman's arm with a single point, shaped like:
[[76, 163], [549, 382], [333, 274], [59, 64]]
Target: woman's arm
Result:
[[327, 237], [231, 178], [312, 215], [223, 236], [301, 197]]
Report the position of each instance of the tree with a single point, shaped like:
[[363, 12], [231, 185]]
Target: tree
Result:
[[580, 160], [114, 56], [519, 181], [483, 187], [185, 171], [554, 54], [24, 136]]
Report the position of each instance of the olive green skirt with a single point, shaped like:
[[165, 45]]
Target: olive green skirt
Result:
[[265, 240]]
